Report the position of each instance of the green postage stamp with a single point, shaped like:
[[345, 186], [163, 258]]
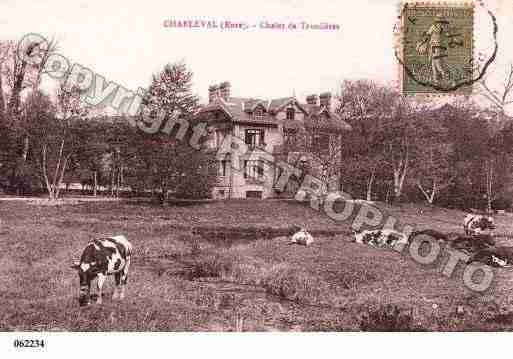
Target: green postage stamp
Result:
[[436, 48]]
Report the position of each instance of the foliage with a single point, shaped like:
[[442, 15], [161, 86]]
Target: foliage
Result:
[[165, 162], [387, 318], [55, 134]]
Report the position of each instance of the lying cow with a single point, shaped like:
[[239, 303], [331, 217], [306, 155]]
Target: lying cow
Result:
[[476, 223], [380, 237], [302, 237], [100, 258], [496, 257], [473, 244]]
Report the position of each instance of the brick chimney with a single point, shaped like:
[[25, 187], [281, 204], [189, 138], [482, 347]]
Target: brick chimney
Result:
[[325, 99], [224, 90], [213, 92], [311, 99]]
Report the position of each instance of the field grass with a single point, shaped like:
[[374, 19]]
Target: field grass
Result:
[[181, 281]]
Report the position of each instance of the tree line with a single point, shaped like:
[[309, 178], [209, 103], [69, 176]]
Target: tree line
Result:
[[50, 140], [454, 154], [400, 149]]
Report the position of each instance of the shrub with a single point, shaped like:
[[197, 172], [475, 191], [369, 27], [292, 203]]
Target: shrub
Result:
[[387, 318], [212, 265], [296, 285]]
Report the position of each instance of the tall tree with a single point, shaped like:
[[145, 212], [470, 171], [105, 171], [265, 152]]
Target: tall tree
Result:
[[364, 104], [20, 76], [164, 161]]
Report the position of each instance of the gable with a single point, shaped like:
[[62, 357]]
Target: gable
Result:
[[259, 106], [292, 102]]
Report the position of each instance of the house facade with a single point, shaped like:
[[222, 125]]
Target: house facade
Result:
[[271, 130]]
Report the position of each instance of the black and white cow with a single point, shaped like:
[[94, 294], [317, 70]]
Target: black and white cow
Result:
[[495, 257], [476, 223], [100, 258], [472, 244], [380, 237]]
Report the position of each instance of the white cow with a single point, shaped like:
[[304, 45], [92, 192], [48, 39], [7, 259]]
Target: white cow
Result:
[[302, 237]]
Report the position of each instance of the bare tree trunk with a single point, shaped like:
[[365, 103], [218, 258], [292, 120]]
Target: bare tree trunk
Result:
[[95, 183], [430, 197], [369, 184], [112, 179], [121, 177], [44, 169], [57, 167], [400, 175], [489, 186], [61, 177], [24, 154]]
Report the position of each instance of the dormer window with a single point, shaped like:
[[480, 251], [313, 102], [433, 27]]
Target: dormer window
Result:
[[291, 113], [259, 113]]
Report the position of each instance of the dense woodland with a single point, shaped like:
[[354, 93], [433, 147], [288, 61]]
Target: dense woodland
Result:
[[455, 154]]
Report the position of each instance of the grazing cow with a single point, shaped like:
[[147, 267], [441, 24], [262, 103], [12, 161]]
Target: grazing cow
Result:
[[302, 237], [476, 223], [496, 257], [100, 258], [380, 237]]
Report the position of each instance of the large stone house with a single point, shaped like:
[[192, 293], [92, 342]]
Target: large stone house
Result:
[[267, 127]]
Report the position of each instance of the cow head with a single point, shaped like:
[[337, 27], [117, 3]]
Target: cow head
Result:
[[487, 223], [483, 224], [86, 272], [358, 235]]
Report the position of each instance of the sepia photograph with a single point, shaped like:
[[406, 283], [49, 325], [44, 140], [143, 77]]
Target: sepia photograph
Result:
[[255, 174]]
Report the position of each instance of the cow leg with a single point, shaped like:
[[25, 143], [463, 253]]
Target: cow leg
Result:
[[124, 278], [85, 292], [99, 284], [117, 278]]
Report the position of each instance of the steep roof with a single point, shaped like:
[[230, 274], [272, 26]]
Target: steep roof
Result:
[[240, 110]]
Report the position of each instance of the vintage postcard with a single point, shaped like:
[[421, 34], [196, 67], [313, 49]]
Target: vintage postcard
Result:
[[174, 168]]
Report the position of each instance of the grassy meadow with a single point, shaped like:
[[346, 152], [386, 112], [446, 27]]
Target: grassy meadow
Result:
[[183, 281]]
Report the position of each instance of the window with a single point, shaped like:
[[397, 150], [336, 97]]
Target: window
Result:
[[258, 113], [290, 113], [254, 137], [222, 168], [254, 169], [290, 138], [320, 142]]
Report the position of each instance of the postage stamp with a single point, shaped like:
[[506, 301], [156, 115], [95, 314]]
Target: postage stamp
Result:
[[436, 48]]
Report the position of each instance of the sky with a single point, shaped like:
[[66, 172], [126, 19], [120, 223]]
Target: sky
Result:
[[127, 41]]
